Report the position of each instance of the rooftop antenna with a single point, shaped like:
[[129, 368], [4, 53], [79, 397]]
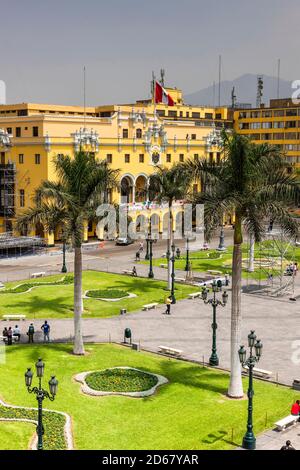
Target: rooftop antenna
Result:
[[278, 79], [214, 94], [152, 85], [233, 98], [260, 87], [162, 76], [219, 92], [84, 98]]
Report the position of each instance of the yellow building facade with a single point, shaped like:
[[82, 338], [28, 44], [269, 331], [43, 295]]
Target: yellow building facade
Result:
[[278, 124], [134, 138]]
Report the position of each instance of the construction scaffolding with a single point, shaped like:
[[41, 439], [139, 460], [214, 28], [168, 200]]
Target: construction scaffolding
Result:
[[7, 193], [18, 246], [275, 264]]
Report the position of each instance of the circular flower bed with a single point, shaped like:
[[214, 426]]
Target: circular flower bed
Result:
[[107, 294], [120, 381]]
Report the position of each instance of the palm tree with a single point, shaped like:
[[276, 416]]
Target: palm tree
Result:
[[72, 200], [168, 185], [252, 182]]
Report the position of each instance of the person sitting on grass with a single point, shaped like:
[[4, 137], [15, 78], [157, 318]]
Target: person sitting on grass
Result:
[[17, 333], [288, 446], [30, 333]]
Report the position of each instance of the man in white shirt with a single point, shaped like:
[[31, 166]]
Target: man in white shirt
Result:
[[17, 333]]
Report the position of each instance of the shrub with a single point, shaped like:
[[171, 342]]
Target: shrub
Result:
[[107, 294], [69, 279], [54, 438], [121, 380]]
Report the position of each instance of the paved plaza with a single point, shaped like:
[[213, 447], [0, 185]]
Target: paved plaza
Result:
[[275, 320], [189, 328]]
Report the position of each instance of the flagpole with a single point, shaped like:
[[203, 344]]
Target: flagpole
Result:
[[154, 97]]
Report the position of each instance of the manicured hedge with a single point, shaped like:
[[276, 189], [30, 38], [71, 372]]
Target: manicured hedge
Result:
[[69, 279], [120, 380], [107, 294], [53, 423]]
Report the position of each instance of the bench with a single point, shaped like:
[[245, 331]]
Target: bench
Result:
[[171, 351], [179, 279], [14, 338], [261, 372], [162, 265], [13, 317], [283, 423], [194, 295], [128, 271], [212, 271], [149, 306], [41, 274]]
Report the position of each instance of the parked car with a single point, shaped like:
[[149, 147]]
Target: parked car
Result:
[[124, 241]]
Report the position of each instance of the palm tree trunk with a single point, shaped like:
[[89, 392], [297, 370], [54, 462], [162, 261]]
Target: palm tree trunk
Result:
[[251, 254], [236, 387], [170, 240], [78, 340]]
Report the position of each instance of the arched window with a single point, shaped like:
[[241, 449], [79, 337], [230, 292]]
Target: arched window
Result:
[[139, 133]]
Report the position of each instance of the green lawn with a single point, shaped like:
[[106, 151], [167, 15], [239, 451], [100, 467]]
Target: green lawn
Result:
[[56, 301], [202, 261], [15, 436], [191, 412]]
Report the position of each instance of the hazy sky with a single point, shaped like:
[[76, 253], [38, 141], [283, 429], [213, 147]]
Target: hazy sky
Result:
[[45, 44]]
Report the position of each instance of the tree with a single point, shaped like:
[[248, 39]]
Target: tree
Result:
[[72, 200], [252, 181], [168, 185]]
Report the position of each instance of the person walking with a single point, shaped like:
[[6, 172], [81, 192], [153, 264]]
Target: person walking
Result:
[[134, 272], [168, 306], [30, 333], [46, 330]]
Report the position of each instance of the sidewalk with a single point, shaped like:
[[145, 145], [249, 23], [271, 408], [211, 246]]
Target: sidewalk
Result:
[[274, 440]]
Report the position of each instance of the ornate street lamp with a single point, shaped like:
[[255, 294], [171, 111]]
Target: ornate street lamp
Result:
[[214, 302], [249, 441], [147, 255], [173, 274], [149, 233], [64, 266], [41, 394], [221, 246], [150, 274], [187, 259]]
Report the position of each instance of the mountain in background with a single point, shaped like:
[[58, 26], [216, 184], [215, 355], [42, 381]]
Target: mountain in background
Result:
[[245, 91]]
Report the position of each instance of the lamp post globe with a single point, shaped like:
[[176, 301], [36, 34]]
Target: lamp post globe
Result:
[[28, 377], [40, 366], [53, 384]]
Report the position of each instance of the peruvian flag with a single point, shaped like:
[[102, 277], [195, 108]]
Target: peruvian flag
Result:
[[162, 96]]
